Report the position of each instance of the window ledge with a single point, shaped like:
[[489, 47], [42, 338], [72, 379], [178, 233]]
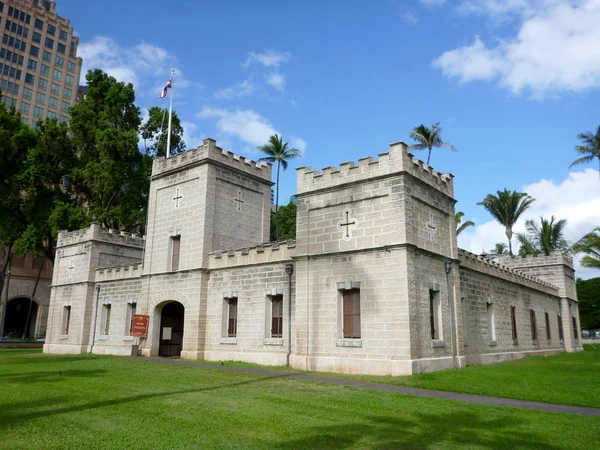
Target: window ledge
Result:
[[515, 342], [273, 341], [128, 338], [228, 341], [492, 343], [534, 341], [63, 337], [104, 337], [438, 343], [346, 342]]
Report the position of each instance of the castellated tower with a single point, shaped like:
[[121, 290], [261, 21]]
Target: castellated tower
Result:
[[373, 244]]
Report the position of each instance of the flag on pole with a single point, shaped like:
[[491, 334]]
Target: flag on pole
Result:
[[163, 94]]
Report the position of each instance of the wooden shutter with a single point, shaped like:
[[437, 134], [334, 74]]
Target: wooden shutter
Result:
[[277, 317], [175, 250], [232, 322], [513, 320], [356, 314], [351, 300], [533, 327]]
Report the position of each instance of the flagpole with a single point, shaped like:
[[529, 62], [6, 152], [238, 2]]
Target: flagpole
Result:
[[170, 115]]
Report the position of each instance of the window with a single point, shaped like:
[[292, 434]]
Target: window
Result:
[[548, 335], [533, 324], [63, 35], [38, 112], [59, 61], [37, 37], [465, 325], [57, 74], [51, 30], [66, 322], [49, 43], [31, 64], [105, 325], [175, 249], [69, 80], [513, 321], [61, 48], [40, 98], [71, 66], [25, 108], [34, 51], [29, 79], [51, 115], [65, 107], [55, 88], [276, 316], [42, 84], [47, 56], [67, 93], [560, 329], [45, 70], [491, 322], [39, 24], [24, 120], [27, 93], [575, 333], [232, 317], [53, 102], [435, 314], [131, 307], [351, 313], [64, 119]]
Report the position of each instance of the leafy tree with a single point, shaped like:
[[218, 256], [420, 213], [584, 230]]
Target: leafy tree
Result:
[[287, 222], [460, 225], [280, 153], [590, 148], [588, 294], [500, 249], [428, 138], [544, 239], [154, 133], [111, 175], [506, 207], [590, 245]]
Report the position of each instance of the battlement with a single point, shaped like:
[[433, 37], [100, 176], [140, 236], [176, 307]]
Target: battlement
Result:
[[481, 264], [396, 160], [95, 232], [271, 252], [118, 272], [209, 151], [555, 258]]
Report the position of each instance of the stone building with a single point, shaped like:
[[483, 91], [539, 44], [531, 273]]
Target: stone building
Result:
[[374, 282]]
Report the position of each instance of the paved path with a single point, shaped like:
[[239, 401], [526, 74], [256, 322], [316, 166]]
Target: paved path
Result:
[[470, 398]]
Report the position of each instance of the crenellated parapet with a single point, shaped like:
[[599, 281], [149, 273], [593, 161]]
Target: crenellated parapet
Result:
[[210, 152], [555, 258], [118, 272], [481, 264], [396, 160], [272, 252], [95, 232]]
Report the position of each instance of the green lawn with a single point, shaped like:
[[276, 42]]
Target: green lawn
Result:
[[114, 403]]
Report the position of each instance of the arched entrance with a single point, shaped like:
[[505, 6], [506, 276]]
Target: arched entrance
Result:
[[171, 329], [16, 317]]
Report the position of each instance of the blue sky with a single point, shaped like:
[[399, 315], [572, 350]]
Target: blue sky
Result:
[[512, 83]]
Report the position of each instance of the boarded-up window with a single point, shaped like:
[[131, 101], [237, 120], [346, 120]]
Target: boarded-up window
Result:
[[561, 336], [66, 319], [575, 333], [513, 321], [232, 318], [175, 250], [533, 324], [548, 334], [277, 316], [352, 313]]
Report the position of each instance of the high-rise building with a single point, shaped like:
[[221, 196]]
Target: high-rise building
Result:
[[39, 67]]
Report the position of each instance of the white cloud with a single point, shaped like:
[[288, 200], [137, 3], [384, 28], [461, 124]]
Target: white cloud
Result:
[[269, 58], [246, 125], [243, 89], [298, 143], [576, 199], [191, 139], [145, 65], [410, 17], [556, 50], [432, 3], [276, 80]]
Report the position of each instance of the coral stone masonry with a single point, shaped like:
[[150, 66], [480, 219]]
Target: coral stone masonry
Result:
[[378, 284]]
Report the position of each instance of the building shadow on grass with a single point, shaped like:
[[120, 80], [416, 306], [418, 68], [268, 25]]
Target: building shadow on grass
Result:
[[422, 431], [11, 415], [51, 376]]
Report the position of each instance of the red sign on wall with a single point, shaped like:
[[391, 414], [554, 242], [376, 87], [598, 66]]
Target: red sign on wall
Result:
[[140, 325]]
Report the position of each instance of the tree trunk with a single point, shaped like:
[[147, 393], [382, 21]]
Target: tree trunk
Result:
[[277, 204], [37, 281], [429, 156], [5, 265], [509, 234], [5, 262]]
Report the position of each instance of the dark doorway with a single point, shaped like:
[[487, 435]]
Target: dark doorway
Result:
[[171, 329], [16, 316]]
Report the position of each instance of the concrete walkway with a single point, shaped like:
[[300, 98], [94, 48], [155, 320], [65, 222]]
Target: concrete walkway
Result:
[[470, 398]]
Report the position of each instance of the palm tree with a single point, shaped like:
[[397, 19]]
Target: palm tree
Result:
[[500, 249], [590, 147], [589, 244], [507, 207], [279, 153], [427, 138], [543, 240], [460, 226]]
